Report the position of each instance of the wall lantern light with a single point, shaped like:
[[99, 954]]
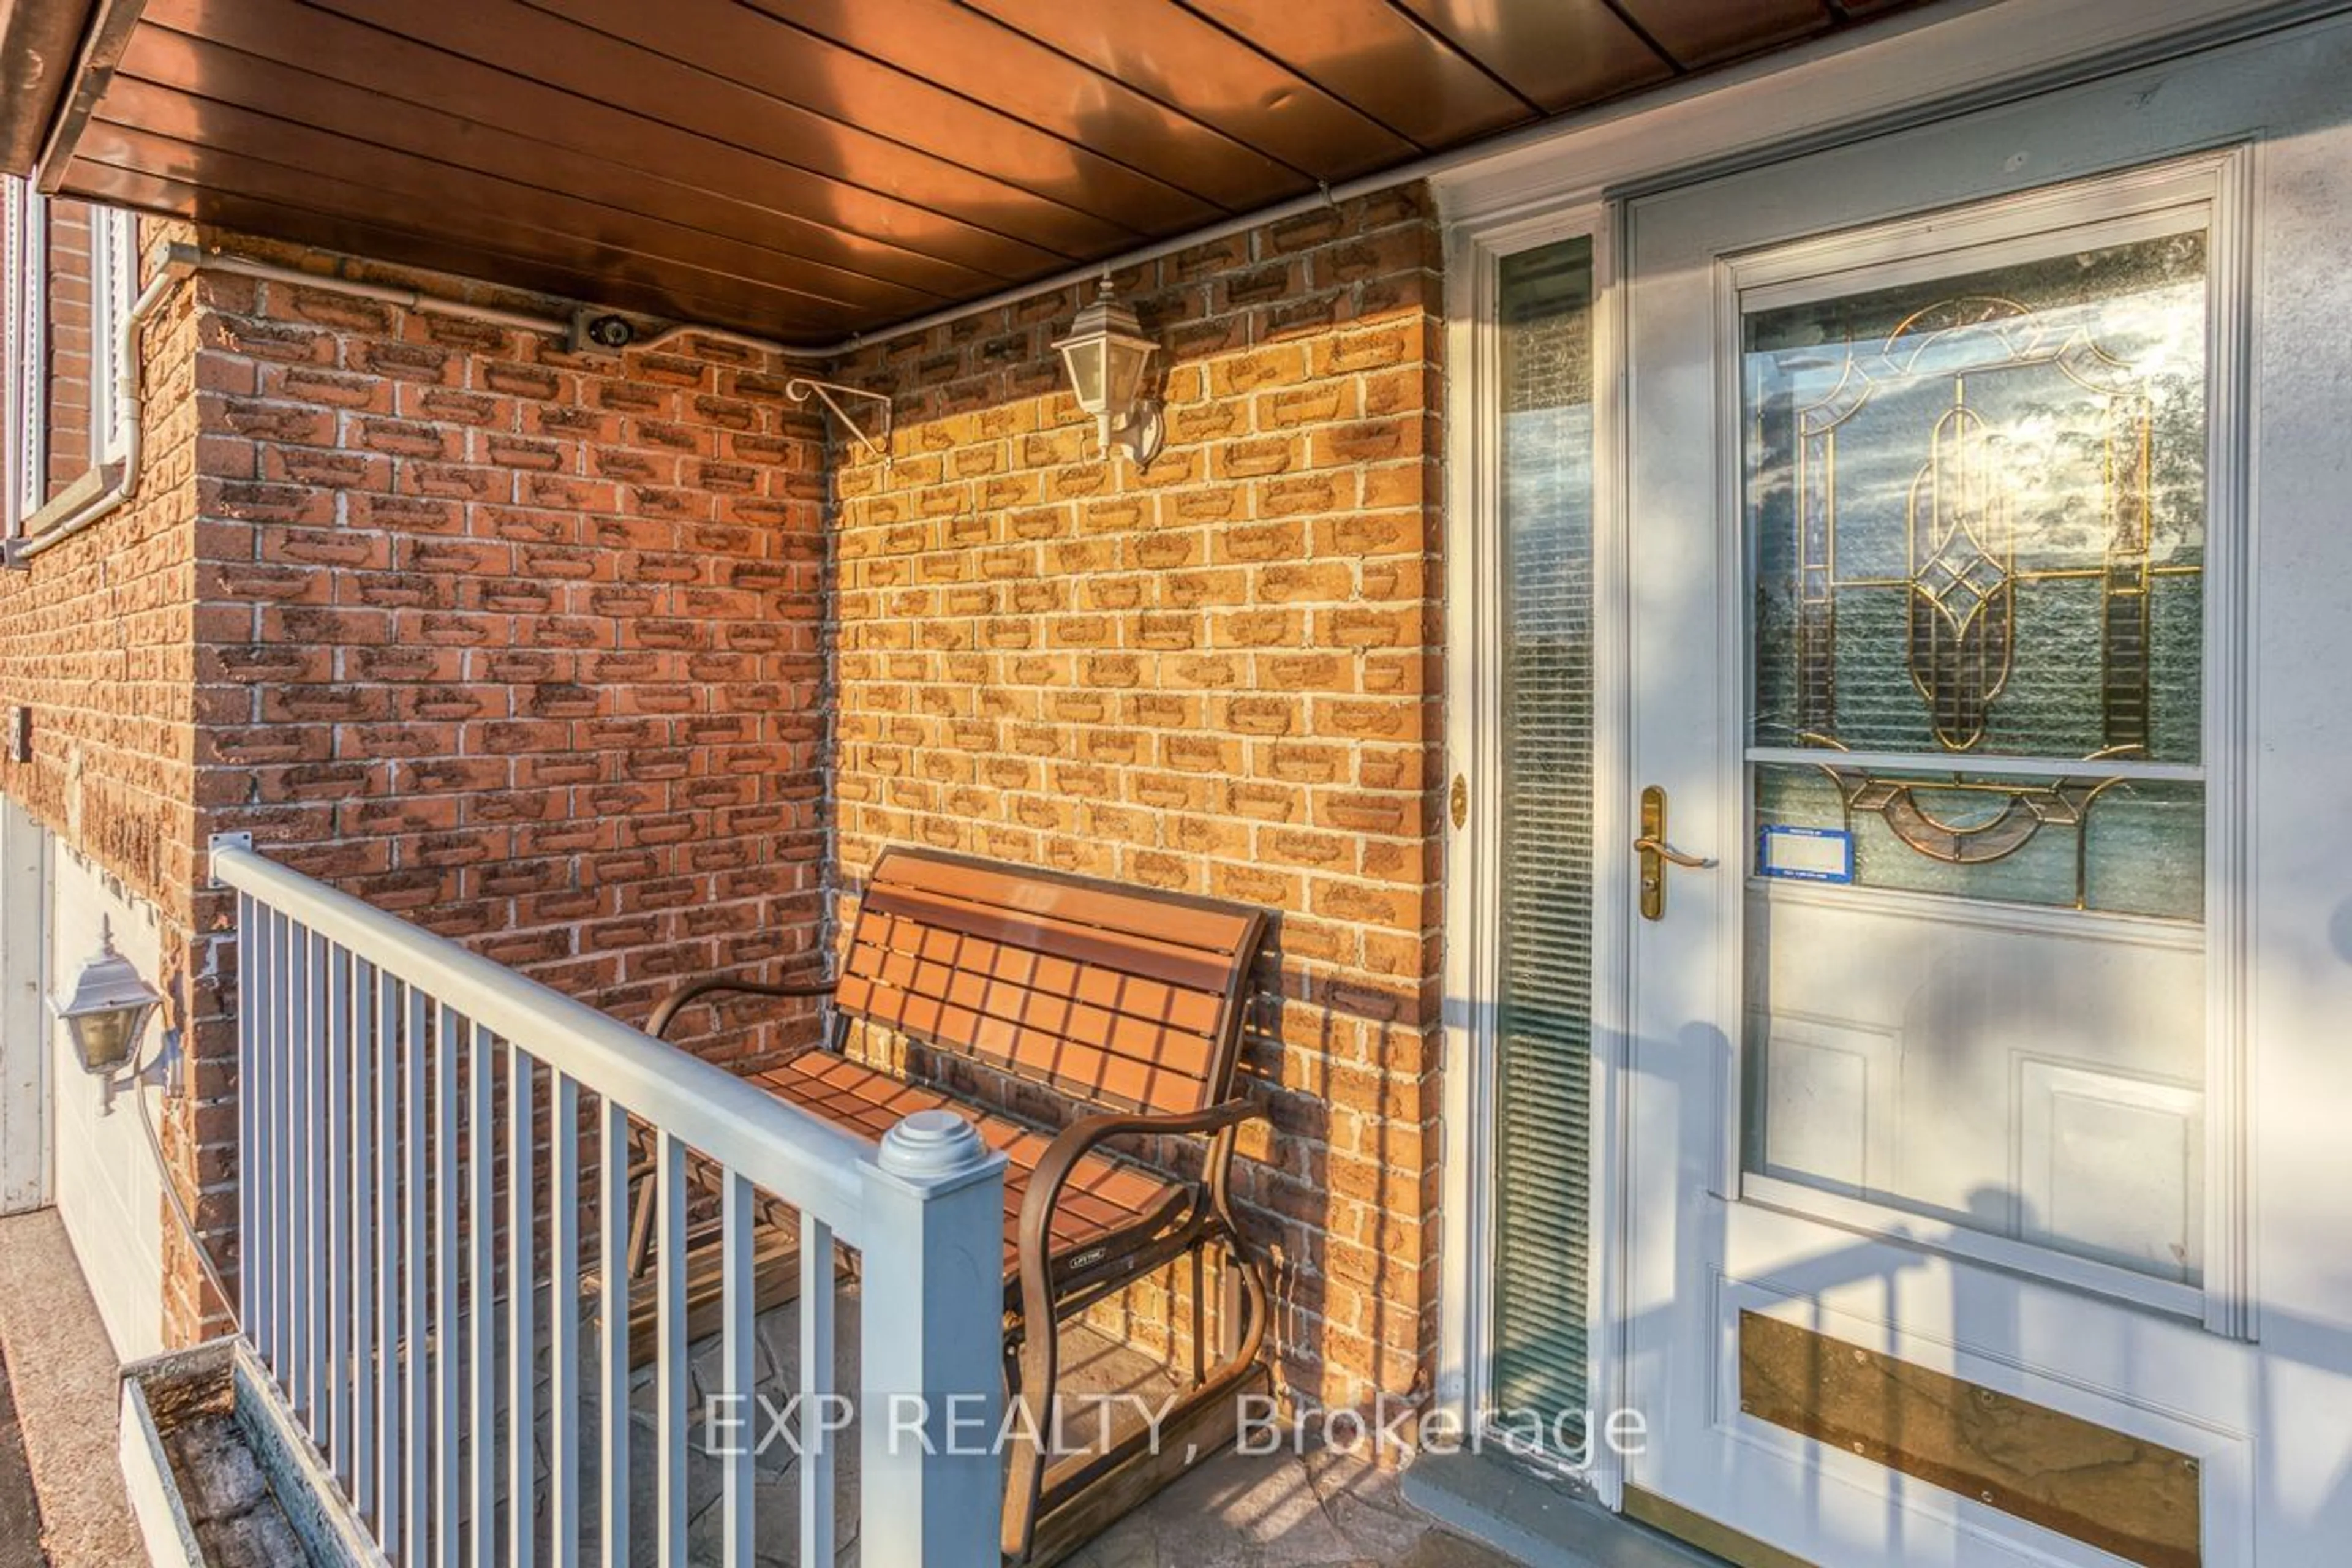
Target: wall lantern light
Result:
[[109, 1009], [1107, 353]]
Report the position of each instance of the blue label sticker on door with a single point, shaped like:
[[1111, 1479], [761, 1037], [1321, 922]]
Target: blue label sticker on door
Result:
[[1806, 854]]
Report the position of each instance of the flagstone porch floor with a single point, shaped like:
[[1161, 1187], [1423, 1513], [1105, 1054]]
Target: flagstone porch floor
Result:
[[1282, 1511], [1311, 1510]]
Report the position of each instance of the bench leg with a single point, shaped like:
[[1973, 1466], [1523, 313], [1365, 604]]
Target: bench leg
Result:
[[1038, 1395], [1043, 1522], [641, 1227], [1199, 1312]]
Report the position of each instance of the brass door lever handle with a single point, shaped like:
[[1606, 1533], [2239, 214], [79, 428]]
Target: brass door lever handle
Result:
[[1657, 854], [1648, 846]]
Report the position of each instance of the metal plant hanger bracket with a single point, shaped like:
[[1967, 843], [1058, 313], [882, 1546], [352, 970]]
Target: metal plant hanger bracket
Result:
[[801, 388]]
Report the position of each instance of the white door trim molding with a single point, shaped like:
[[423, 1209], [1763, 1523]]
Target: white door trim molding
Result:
[[1472, 863], [25, 1118], [1933, 64]]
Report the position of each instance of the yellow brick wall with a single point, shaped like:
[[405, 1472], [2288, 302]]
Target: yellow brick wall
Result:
[[1219, 674]]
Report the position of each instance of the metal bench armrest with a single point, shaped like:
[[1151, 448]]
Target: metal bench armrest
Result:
[[666, 1012], [1078, 1139]]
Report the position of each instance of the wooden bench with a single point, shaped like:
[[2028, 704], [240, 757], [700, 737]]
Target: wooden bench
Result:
[[1127, 1002]]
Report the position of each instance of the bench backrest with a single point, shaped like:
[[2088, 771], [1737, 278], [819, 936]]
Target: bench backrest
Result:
[[1120, 996]]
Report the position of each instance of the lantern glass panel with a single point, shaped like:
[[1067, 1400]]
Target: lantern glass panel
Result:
[[1127, 359], [103, 1039], [1084, 358]]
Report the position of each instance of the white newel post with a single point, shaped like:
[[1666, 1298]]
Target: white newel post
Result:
[[931, 1327]]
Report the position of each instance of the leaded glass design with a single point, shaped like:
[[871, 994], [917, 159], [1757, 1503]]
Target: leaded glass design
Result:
[[2125, 846], [1977, 511]]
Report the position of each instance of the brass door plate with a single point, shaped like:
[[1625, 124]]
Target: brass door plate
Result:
[[1715, 1539], [2120, 1493], [1657, 854], [1653, 863]]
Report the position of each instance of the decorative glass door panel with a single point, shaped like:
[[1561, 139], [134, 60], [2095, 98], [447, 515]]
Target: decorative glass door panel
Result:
[[1975, 529]]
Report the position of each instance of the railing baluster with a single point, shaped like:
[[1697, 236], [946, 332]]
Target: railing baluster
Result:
[[612, 1310], [482, 1222], [446, 1436], [563, 1489], [299, 1186], [671, 1373], [738, 1307], [817, 1390], [369, 1056], [291, 946], [317, 1264], [383, 1008], [522, 1308], [334, 1211], [363, 1232], [258, 1172], [417, 1344], [250, 1095]]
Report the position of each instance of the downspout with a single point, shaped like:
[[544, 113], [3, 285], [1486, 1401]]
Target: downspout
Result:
[[179, 263]]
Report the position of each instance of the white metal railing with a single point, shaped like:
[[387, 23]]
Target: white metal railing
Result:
[[429, 1144]]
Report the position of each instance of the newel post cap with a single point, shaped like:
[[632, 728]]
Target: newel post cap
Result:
[[931, 1146]]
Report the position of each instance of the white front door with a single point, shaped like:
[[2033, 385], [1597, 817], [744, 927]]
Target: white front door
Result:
[[1936, 545]]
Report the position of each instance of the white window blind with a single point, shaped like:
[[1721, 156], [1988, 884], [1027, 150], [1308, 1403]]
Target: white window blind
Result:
[[1543, 1061]]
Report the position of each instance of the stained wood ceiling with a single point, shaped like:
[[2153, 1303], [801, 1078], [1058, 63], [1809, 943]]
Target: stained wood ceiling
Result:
[[809, 168]]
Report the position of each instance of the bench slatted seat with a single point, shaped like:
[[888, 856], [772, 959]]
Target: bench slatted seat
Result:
[[1126, 1000], [1102, 1195]]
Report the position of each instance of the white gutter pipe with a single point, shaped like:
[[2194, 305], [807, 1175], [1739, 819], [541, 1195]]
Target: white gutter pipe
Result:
[[406, 298]]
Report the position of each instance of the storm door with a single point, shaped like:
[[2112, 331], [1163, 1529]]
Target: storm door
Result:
[[1928, 558]]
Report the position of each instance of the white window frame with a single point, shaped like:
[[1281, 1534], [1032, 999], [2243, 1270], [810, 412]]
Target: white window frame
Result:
[[1474, 521], [24, 274], [113, 289]]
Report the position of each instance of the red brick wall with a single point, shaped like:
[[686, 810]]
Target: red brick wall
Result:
[[526, 647], [96, 642], [95, 639], [1217, 675]]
